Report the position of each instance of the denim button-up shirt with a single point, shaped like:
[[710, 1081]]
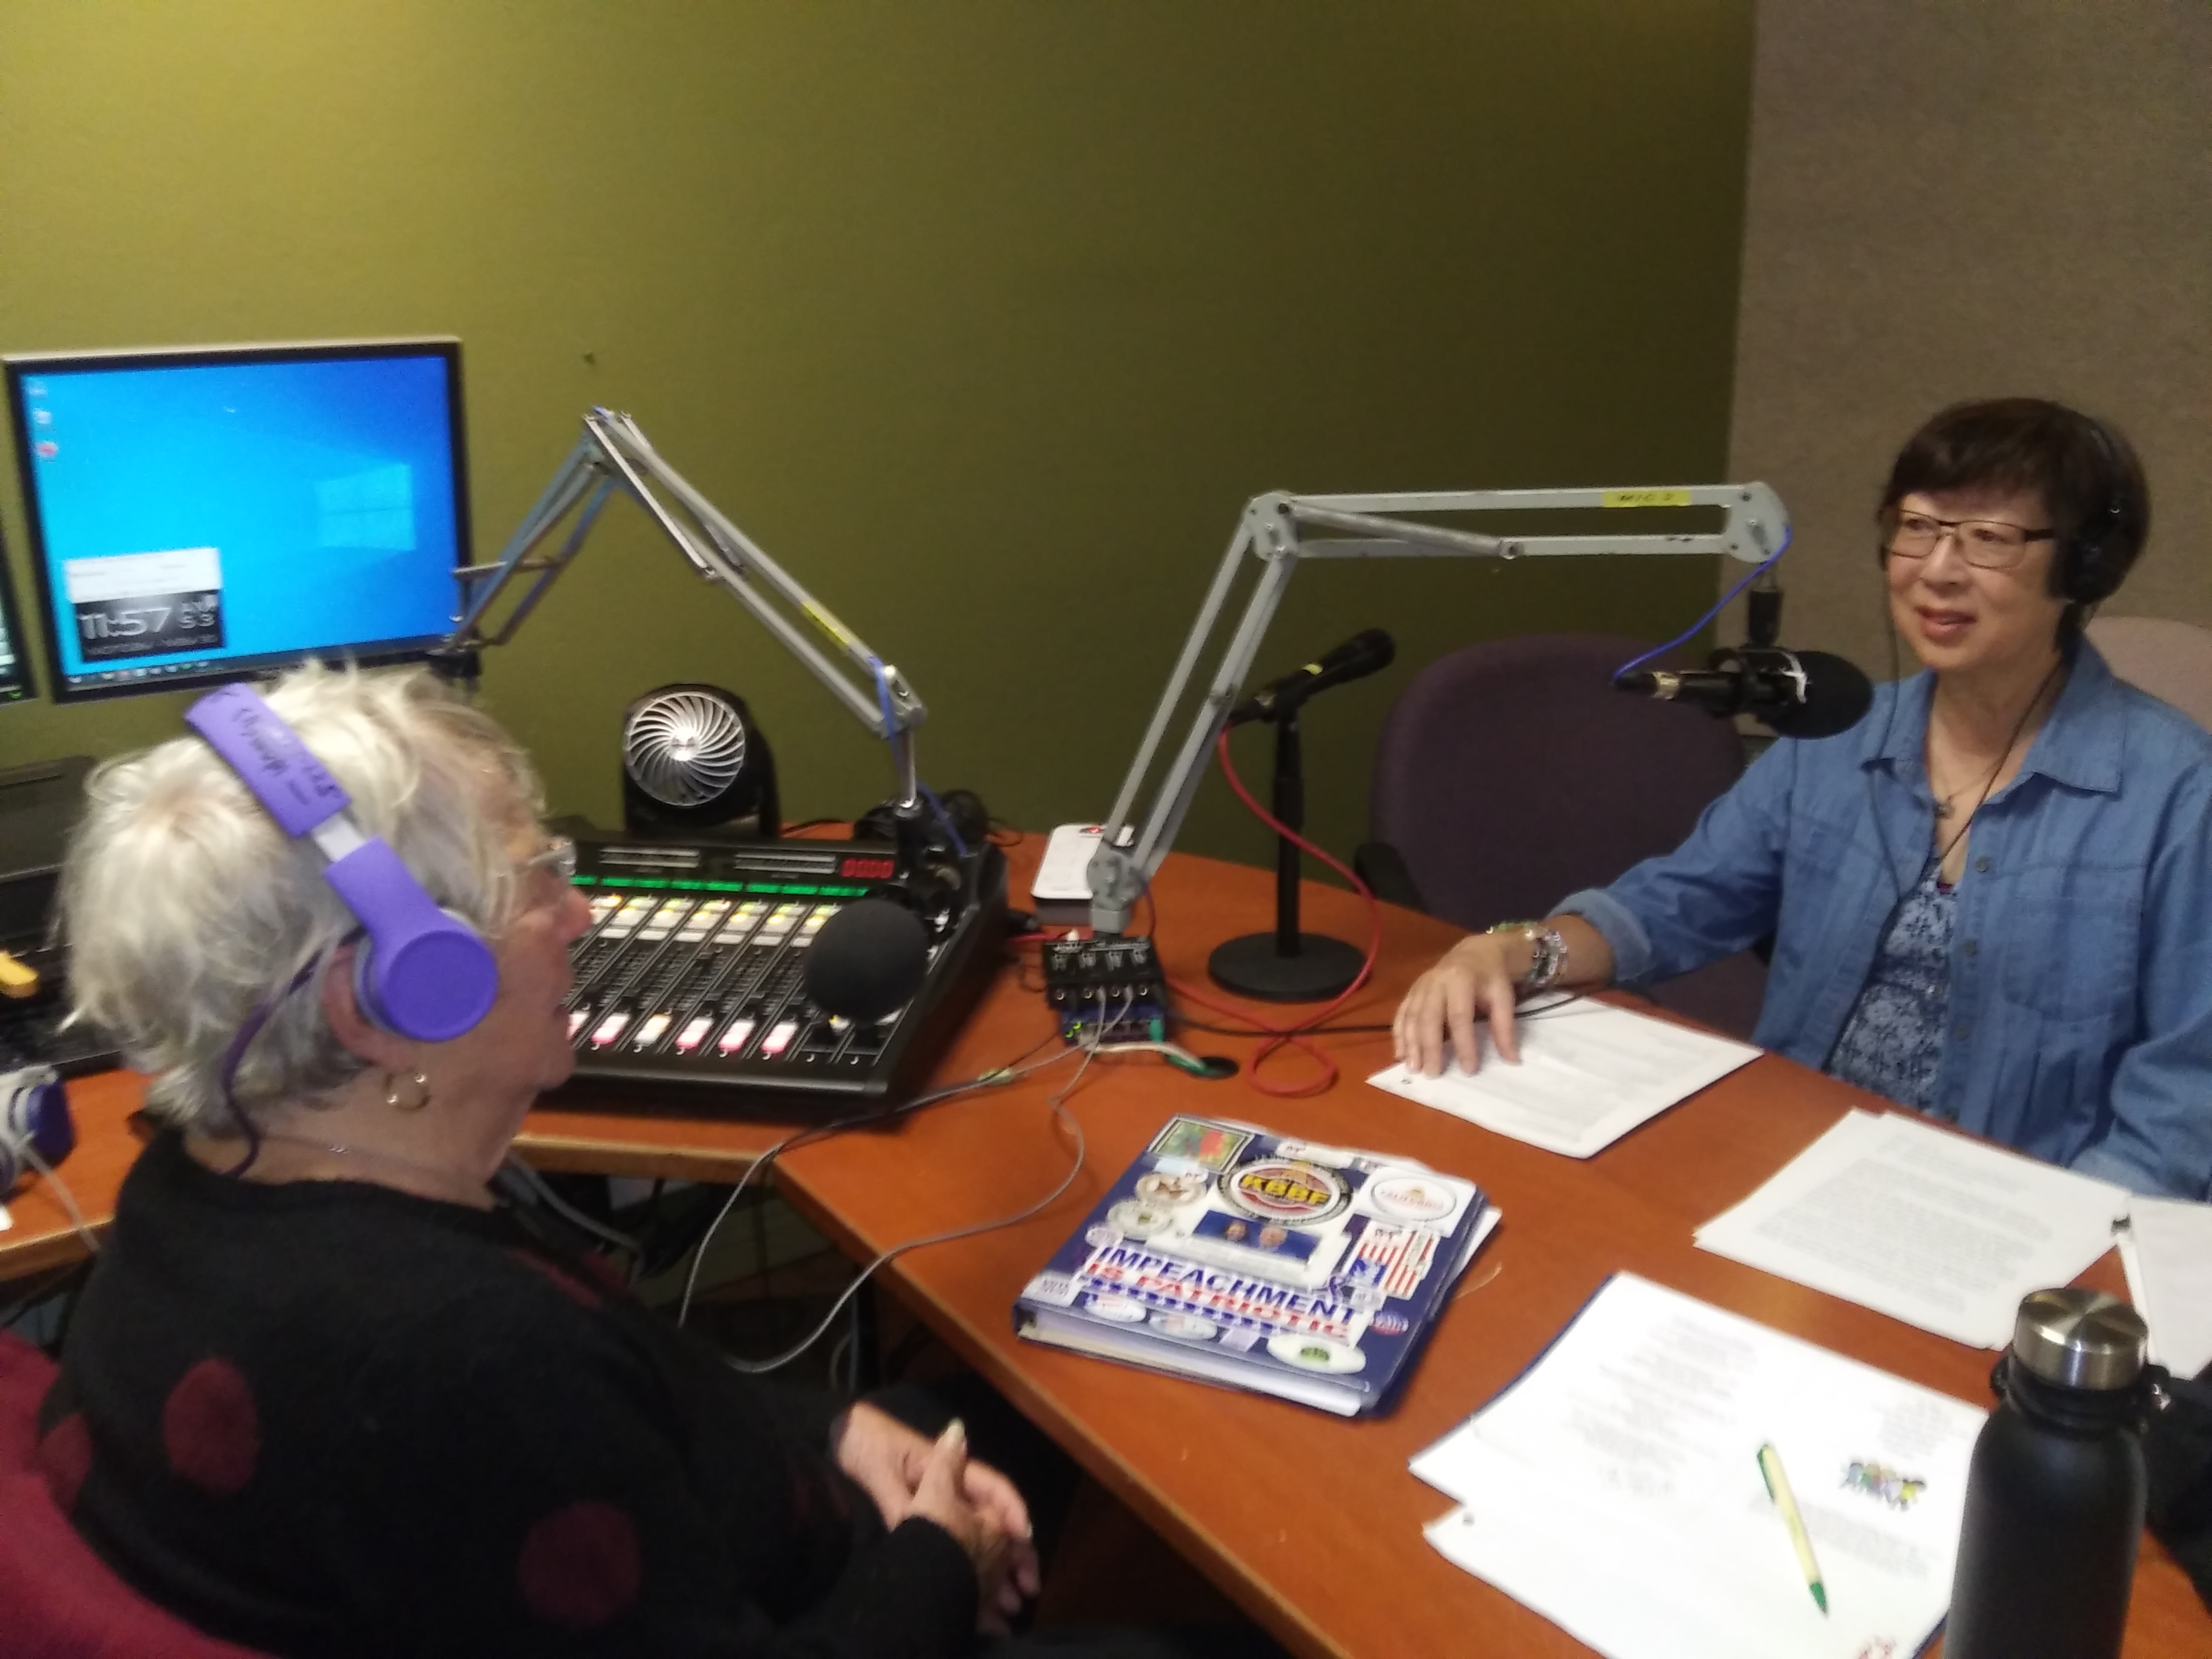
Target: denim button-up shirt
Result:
[[2081, 962]]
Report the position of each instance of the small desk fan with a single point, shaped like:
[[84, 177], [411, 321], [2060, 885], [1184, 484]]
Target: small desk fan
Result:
[[693, 762]]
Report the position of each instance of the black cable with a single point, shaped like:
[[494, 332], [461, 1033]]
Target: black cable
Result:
[[1230, 1031], [760, 1166], [1888, 730], [1237, 1031], [1057, 1105], [1990, 782]]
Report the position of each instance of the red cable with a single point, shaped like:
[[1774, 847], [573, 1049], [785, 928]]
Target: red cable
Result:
[[1290, 1036]]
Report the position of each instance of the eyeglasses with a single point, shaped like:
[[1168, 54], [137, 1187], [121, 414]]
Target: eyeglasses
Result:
[[558, 856], [1985, 543]]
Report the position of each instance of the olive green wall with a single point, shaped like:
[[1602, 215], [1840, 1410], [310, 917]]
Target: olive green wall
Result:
[[984, 318]]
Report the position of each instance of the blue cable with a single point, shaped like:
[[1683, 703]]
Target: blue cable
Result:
[[943, 817], [890, 730], [884, 698], [1690, 633]]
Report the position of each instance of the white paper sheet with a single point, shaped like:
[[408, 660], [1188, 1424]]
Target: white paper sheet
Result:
[[1937, 1231], [1615, 1488], [2166, 1247], [1589, 1073]]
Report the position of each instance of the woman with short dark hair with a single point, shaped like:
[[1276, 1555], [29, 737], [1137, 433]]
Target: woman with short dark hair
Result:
[[1991, 900]]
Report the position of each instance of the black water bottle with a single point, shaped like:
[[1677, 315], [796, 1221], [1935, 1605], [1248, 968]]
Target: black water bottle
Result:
[[2054, 1492]]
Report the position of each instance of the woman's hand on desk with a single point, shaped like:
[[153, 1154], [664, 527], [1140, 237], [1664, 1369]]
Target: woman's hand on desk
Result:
[[978, 1505], [1478, 973], [1482, 974]]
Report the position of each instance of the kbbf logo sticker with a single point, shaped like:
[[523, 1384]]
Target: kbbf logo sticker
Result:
[[1281, 1189]]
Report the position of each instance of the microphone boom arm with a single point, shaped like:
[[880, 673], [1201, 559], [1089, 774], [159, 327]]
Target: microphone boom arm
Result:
[[1272, 529], [614, 454]]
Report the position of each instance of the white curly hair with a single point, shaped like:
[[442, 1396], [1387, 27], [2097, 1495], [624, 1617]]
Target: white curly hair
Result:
[[188, 911]]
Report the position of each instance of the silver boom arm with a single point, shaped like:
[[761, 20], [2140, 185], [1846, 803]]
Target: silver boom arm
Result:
[[1273, 530], [613, 454]]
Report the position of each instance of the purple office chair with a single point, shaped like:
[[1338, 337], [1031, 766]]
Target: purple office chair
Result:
[[1510, 773]]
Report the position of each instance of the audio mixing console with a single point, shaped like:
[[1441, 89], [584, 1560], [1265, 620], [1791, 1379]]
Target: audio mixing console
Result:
[[690, 980]]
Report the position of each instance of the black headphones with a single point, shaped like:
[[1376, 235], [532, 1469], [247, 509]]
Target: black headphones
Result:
[[2085, 573]]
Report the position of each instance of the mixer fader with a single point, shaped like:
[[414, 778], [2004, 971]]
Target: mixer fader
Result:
[[691, 975]]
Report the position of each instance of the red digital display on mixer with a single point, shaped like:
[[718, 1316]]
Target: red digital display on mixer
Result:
[[868, 869]]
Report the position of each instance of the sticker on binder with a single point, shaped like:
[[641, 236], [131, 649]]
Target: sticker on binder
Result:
[[1200, 1142], [1261, 1238], [1314, 1353], [1286, 1192], [1058, 1289], [1392, 1260], [1401, 1195]]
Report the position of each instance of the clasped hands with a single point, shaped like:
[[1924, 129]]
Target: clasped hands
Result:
[[908, 1474]]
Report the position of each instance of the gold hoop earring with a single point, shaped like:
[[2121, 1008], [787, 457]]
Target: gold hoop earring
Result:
[[410, 1102]]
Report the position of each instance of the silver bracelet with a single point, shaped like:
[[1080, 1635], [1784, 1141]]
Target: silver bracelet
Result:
[[1548, 952]]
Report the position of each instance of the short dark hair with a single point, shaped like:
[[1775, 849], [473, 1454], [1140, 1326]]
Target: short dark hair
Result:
[[2087, 473]]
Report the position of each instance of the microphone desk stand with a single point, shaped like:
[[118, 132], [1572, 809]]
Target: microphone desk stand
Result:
[[1287, 965]]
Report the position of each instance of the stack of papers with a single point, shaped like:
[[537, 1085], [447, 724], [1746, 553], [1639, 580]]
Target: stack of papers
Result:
[[1589, 1073], [1928, 1227], [1615, 1488], [2166, 1247]]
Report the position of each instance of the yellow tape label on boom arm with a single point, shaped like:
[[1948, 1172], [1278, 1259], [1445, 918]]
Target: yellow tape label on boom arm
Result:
[[827, 623], [1647, 498]]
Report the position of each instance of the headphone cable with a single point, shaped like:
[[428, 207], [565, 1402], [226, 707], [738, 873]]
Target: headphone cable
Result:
[[30, 1156]]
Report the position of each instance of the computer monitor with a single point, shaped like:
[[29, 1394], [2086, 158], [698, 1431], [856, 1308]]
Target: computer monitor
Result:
[[15, 666], [204, 514]]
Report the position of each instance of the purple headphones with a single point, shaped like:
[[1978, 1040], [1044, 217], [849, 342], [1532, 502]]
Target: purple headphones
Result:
[[34, 1119], [422, 972]]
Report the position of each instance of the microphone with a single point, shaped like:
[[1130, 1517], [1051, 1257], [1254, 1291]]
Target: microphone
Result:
[[1797, 694], [867, 961], [1362, 654]]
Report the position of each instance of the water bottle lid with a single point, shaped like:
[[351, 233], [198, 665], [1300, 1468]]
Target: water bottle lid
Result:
[[2080, 1339]]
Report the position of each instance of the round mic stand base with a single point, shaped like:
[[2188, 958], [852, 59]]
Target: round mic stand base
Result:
[[1251, 967], [1286, 964]]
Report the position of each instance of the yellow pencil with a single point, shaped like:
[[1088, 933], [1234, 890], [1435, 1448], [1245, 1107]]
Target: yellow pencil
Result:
[[1778, 1488]]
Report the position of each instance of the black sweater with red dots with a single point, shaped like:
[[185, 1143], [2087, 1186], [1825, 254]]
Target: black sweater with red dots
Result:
[[326, 1417]]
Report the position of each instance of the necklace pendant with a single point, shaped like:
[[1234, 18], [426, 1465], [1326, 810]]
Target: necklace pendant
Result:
[[1943, 807]]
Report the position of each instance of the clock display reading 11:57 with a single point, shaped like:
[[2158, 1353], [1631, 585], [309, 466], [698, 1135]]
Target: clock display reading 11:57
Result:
[[145, 604]]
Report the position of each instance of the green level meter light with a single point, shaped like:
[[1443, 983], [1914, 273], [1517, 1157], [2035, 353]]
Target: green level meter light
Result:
[[660, 884]]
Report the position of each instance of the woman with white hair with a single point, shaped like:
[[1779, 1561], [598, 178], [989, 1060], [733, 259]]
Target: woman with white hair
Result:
[[324, 1394]]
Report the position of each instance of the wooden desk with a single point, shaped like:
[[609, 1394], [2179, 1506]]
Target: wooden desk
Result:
[[1312, 1523], [606, 1141], [42, 1235]]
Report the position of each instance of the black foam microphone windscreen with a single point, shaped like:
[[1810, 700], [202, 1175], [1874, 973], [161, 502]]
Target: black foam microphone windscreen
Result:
[[1795, 694], [1837, 696], [867, 961]]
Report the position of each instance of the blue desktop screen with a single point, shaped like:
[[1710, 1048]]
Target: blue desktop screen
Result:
[[218, 514]]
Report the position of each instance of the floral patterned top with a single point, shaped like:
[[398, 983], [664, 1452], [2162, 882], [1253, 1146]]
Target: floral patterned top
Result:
[[1894, 1036]]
